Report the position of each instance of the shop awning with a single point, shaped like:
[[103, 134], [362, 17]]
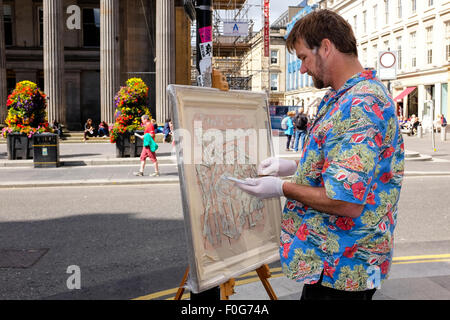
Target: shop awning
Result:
[[404, 93]]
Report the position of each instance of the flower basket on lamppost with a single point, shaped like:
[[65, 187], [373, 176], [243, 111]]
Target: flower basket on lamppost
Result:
[[26, 117], [131, 105]]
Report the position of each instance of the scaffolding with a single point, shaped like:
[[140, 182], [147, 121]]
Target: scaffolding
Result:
[[229, 51]]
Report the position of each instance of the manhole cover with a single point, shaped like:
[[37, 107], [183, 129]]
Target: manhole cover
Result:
[[21, 259]]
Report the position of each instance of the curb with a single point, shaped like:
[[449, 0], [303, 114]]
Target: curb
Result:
[[150, 181], [92, 183], [86, 162]]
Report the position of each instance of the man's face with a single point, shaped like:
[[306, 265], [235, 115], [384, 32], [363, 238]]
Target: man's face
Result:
[[312, 63]]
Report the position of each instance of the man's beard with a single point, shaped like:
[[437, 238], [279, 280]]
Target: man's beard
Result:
[[318, 81]]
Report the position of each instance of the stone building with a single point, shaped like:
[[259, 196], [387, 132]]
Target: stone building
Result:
[[419, 31], [80, 52]]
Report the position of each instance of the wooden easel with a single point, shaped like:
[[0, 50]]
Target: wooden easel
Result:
[[227, 288]]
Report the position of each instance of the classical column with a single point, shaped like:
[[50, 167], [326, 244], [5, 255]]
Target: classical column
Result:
[[109, 57], [54, 60], [165, 56], [3, 87]]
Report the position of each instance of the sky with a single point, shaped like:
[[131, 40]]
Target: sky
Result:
[[277, 7]]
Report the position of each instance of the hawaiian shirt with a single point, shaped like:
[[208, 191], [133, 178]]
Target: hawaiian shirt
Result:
[[354, 150]]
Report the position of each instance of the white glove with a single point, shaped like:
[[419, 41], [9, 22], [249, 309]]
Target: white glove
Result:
[[263, 188], [277, 167]]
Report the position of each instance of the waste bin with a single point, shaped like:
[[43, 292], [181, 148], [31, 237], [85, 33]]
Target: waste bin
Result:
[[19, 147], [46, 150], [128, 145]]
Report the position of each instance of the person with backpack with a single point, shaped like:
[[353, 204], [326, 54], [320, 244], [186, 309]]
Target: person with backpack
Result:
[[301, 124], [288, 124]]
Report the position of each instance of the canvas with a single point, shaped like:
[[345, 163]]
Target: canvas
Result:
[[223, 134]]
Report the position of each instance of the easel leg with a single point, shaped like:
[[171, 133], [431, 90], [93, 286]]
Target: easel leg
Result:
[[264, 274], [227, 289], [181, 288]]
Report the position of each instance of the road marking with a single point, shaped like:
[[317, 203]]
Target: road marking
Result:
[[277, 273]]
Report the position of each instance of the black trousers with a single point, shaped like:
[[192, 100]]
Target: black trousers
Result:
[[319, 292]]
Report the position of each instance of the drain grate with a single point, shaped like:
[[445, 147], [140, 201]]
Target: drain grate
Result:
[[20, 259]]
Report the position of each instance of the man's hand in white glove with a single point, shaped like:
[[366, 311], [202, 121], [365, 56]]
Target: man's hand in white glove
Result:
[[277, 167], [263, 188]]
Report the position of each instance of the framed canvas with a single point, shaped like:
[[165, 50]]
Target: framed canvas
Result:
[[218, 135]]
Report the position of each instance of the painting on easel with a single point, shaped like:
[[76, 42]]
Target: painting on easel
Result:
[[221, 136]]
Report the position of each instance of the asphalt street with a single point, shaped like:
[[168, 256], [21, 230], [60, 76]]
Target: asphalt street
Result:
[[127, 234], [129, 242]]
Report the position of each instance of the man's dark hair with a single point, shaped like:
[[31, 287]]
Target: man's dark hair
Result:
[[323, 24]]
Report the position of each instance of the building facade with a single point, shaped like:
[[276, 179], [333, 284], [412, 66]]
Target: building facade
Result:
[[80, 52], [419, 31], [300, 90], [267, 73]]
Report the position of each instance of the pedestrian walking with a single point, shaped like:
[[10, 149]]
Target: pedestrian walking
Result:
[[289, 132], [149, 147], [301, 124], [341, 207]]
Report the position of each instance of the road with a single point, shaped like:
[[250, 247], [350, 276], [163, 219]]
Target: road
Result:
[[129, 241]]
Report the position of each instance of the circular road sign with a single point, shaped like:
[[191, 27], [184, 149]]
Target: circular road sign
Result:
[[388, 59]]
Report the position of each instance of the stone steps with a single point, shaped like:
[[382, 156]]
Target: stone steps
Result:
[[416, 156]]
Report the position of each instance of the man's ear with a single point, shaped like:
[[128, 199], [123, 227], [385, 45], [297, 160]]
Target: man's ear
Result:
[[327, 47]]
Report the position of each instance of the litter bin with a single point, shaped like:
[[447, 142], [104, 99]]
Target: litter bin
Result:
[[128, 145], [46, 150]]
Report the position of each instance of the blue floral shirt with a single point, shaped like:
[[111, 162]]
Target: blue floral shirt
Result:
[[354, 150]]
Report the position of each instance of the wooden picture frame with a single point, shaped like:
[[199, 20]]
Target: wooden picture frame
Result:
[[229, 232]]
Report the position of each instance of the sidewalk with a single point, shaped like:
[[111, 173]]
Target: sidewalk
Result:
[[96, 164]]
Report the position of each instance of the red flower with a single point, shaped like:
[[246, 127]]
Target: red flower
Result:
[[358, 138], [302, 232], [345, 223], [359, 190], [386, 177], [388, 152], [377, 111], [286, 249], [370, 198], [350, 251], [385, 267], [328, 270], [379, 140]]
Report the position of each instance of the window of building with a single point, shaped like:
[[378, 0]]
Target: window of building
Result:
[[364, 57], [274, 82], [375, 14], [91, 27], [355, 24], [10, 80], [412, 41], [413, 6], [386, 45], [365, 21], [447, 40], [399, 9], [430, 3], [386, 11], [399, 52], [375, 54], [41, 26], [274, 56], [8, 23], [429, 32]]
